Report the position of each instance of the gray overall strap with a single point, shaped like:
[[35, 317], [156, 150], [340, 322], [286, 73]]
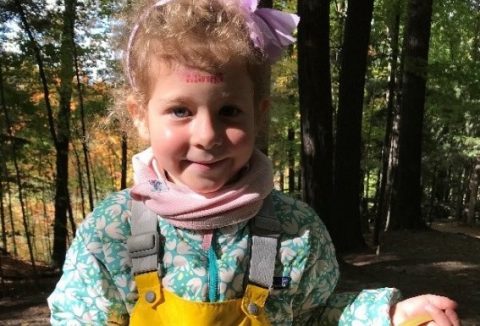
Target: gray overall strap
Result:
[[144, 243], [265, 229]]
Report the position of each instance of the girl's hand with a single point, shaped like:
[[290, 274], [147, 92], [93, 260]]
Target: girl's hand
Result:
[[441, 309]]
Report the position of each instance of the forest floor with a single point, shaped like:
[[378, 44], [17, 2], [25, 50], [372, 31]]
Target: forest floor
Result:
[[444, 260]]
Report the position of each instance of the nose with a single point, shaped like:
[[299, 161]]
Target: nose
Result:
[[206, 131]]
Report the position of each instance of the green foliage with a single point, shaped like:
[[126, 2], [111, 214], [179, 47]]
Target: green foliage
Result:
[[284, 114], [452, 120]]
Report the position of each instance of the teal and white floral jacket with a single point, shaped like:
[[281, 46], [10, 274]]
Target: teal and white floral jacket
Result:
[[97, 287]]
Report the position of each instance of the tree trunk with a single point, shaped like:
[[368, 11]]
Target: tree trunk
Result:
[[315, 105], [476, 39], [31, 226], [461, 189], [2, 219], [8, 126], [387, 168], [21, 198], [80, 180], [84, 136], [47, 225], [282, 181], [94, 179], [63, 139], [291, 160], [433, 203], [475, 176], [262, 136], [41, 70], [346, 232], [406, 206], [12, 224], [2, 208], [71, 219], [123, 182]]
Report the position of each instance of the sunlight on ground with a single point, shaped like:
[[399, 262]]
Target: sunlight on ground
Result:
[[367, 259], [446, 266], [472, 231]]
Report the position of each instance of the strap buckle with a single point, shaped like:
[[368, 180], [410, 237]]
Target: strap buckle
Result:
[[143, 245]]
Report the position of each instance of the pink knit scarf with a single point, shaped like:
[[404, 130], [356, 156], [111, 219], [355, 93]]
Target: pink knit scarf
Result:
[[234, 203]]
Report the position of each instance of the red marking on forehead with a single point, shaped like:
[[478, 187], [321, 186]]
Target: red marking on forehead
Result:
[[195, 78]]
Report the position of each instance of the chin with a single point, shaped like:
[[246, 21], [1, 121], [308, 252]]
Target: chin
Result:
[[206, 189]]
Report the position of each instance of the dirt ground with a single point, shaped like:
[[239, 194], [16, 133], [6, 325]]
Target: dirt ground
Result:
[[445, 261]]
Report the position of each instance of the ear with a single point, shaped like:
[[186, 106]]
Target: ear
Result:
[[264, 106], [138, 115], [262, 114]]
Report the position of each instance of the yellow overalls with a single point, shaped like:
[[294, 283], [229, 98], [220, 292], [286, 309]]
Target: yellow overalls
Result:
[[157, 306]]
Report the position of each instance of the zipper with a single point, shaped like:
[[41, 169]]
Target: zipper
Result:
[[212, 267]]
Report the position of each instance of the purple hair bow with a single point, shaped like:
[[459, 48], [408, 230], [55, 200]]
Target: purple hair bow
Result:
[[270, 29]]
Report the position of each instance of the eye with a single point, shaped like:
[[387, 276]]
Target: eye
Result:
[[180, 112], [229, 111]]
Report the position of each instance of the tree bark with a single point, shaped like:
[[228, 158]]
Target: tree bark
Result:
[[406, 205], [80, 180], [2, 208], [291, 160], [123, 181], [262, 136], [94, 179], [2, 219], [21, 198], [346, 230], [476, 39], [63, 138], [475, 176], [386, 181], [41, 70], [84, 136], [316, 110], [12, 224], [461, 190]]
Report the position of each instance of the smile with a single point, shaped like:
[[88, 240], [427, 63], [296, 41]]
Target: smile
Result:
[[207, 165]]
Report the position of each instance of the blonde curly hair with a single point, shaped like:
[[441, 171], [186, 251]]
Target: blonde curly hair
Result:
[[202, 34]]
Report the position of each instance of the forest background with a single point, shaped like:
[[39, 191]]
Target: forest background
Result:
[[375, 119]]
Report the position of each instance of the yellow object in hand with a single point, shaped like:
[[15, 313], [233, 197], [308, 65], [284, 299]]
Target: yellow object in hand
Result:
[[417, 320]]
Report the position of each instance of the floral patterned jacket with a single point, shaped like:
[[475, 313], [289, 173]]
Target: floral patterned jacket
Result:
[[97, 287]]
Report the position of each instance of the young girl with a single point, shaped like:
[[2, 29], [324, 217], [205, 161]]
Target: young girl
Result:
[[202, 238]]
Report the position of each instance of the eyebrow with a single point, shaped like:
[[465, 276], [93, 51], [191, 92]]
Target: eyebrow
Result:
[[173, 99]]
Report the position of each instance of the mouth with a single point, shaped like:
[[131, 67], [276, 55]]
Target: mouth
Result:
[[206, 165]]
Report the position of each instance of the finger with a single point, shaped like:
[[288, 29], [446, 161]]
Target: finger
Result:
[[441, 302], [438, 315], [453, 317]]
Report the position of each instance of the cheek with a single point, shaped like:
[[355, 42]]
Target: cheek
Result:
[[242, 137], [165, 140]]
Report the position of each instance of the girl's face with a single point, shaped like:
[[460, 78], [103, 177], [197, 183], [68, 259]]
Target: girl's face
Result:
[[201, 126]]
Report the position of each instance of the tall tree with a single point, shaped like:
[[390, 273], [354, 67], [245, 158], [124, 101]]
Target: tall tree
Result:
[[407, 193], [262, 136], [84, 136], [3, 149], [20, 190], [315, 97], [472, 203], [391, 132], [346, 229], [63, 133], [124, 142]]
